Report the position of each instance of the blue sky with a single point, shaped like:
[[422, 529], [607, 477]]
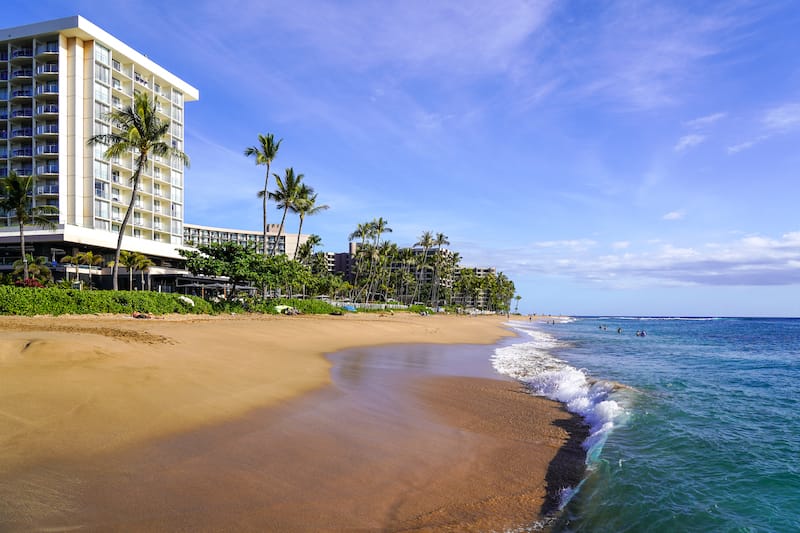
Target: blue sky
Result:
[[610, 157]]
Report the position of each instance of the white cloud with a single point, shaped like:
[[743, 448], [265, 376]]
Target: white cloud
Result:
[[621, 245], [782, 118], [753, 260], [687, 141], [674, 215], [703, 122]]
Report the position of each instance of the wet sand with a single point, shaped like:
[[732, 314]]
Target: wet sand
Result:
[[402, 437]]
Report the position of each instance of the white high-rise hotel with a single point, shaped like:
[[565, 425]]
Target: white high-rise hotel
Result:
[[58, 81]]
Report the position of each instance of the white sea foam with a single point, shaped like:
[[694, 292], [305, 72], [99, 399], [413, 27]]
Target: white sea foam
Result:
[[532, 363]]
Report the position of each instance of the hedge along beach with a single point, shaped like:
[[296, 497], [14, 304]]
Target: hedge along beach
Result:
[[241, 422]]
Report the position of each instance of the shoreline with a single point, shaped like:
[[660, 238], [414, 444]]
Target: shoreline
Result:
[[187, 392]]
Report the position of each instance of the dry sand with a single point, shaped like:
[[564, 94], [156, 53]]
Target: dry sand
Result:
[[212, 423]]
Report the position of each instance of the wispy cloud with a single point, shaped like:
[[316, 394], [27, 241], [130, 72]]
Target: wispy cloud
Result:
[[688, 141], [782, 118], [674, 215], [703, 122], [777, 120], [753, 261]]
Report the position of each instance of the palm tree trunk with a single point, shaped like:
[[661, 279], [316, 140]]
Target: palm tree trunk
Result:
[[299, 230], [130, 278], [266, 196], [22, 248], [142, 159], [280, 230]]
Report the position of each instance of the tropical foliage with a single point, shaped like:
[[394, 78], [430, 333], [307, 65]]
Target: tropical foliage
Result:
[[16, 200]]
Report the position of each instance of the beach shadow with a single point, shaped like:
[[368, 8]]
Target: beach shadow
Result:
[[567, 468]]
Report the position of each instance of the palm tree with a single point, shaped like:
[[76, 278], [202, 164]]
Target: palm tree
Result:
[[516, 307], [14, 192], [142, 263], [363, 231], [285, 196], [379, 227], [306, 205], [426, 241], [306, 251], [128, 260], [91, 259], [142, 132], [438, 242], [264, 154], [37, 267]]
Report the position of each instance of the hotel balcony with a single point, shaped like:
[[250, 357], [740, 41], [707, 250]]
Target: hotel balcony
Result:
[[3, 172], [4, 55], [47, 169], [21, 53], [47, 149], [45, 190], [23, 171], [47, 49], [3, 134], [22, 74], [47, 88], [22, 113], [3, 114], [47, 129], [19, 94], [46, 109], [21, 133], [48, 70], [17, 153], [3, 75]]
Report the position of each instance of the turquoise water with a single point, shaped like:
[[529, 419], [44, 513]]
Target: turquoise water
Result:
[[695, 427]]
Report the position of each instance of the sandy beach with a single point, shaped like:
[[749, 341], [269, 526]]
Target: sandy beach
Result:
[[241, 423]]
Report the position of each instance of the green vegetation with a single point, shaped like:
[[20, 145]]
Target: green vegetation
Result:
[[57, 301], [15, 199]]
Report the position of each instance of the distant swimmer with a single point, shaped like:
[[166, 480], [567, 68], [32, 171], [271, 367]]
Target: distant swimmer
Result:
[[619, 330], [642, 333]]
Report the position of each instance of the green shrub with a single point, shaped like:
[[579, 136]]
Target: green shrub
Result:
[[57, 301]]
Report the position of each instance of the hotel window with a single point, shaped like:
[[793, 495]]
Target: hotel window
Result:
[[100, 209], [102, 73], [177, 195], [116, 65], [157, 88], [101, 129], [115, 195], [137, 233], [101, 111], [157, 189], [101, 93], [101, 224], [115, 176], [101, 189], [177, 227], [156, 206], [100, 150], [101, 54], [116, 102], [115, 213], [177, 98], [101, 170], [177, 114]]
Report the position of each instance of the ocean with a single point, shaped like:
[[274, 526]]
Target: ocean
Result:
[[694, 426]]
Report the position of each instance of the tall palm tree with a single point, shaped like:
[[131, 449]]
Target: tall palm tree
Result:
[[516, 307], [264, 154], [426, 242], [14, 192], [379, 227], [306, 205], [142, 132], [439, 241], [285, 196], [306, 251], [363, 231]]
